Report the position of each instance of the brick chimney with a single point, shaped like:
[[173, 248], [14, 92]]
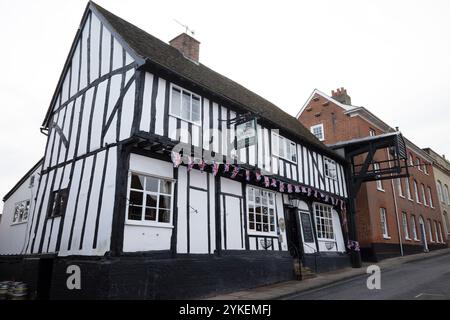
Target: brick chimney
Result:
[[187, 45], [341, 95]]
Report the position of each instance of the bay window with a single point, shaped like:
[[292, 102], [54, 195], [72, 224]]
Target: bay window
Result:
[[324, 221]]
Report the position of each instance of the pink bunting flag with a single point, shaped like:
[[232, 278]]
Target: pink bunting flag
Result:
[[289, 188], [316, 195], [258, 176], [215, 168], [235, 172], [328, 198], [202, 165], [281, 186], [190, 164], [176, 159], [297, 189], [309, 191], [267, 182], [305, 190], [274, 183], [247, 175]]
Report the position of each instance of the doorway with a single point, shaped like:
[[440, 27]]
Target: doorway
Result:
[[44, 282]]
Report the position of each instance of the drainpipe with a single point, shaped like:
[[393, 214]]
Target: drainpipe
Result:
[[396, 209]]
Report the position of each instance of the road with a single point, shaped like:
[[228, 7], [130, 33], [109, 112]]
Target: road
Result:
[[427, 279]]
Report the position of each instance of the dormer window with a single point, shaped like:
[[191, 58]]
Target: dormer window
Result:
[[185, 105], [284, 148], [330, 168]]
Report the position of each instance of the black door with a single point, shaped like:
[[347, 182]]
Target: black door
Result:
[[45, 278], [293, 234]]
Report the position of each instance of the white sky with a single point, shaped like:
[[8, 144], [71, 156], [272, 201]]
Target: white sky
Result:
[[392, 56]]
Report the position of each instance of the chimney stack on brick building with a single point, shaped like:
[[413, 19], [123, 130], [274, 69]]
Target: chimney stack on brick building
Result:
[[187, 45], [341, 95]]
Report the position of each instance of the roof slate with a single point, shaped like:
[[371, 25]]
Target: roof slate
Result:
[[149, 47]]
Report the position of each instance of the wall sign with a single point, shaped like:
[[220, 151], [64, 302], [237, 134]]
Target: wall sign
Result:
[[308, 235], [246, 134]]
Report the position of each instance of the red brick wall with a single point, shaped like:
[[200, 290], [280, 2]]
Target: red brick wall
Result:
[[339, 127]]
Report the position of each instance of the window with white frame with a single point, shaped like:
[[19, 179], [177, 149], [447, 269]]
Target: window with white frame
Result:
[[399, 187], [405, 225], [440, 191], [149, 200], [436, 231], [261, 211], [58, 203], [446, 195], [430, 197], [408, 188], [418, 164], [384, 224], [376, 167], [21, 211], [441, 238], [416, 192], [411, 160], [414, 228], [185, 105], [372, 132], [425, 203], [330, 168], [284, 148], [430, 230], [425, 168], [317, 130], [324, 221]]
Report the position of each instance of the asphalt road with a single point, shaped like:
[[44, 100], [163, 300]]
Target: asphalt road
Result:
[[427, 279]]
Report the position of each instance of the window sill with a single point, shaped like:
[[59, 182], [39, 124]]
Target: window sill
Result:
[[401, 196], [283, 158], [417, 240], [408, 239], [386, 238], [18, 223], [411, 199], [146, 224], [382, 190]]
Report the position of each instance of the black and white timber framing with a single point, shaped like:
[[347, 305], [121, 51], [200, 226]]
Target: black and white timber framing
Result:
[[111, 95]]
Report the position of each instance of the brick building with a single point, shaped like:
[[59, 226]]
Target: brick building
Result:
[[396, 216]]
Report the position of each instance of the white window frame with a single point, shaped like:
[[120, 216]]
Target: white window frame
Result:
[[430, 197], [425, 168], [436, 231], [416, 191], [180, 116], [399, 187], [446, 194], [419, 164], [252, 203], [144, 222], [414, 228], [290, 148], [408, 189], [372, 132], [20, 218], [384, 223], [425, 202], [323, 216], [430, 230], [379, 183], [441, 238], [320, 125], [440, 191], [405, 225], [411, 160], [327, 162]]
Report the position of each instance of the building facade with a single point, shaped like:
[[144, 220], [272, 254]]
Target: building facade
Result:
[[163, 179], [441, 168], [394, 217]]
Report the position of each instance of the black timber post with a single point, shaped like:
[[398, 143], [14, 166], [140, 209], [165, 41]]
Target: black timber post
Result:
[[217, 214], [118, 224], [355, 256]]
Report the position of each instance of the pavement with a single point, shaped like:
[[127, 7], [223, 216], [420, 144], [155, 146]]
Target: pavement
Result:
[[392, 267]]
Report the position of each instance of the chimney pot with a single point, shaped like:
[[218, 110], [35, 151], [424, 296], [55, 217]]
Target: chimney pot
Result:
[[187, 45]]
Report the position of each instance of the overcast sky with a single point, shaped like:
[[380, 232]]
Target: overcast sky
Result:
[[393, 57]]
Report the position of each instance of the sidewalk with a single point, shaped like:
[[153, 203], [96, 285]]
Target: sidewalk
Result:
[[285, 289]]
